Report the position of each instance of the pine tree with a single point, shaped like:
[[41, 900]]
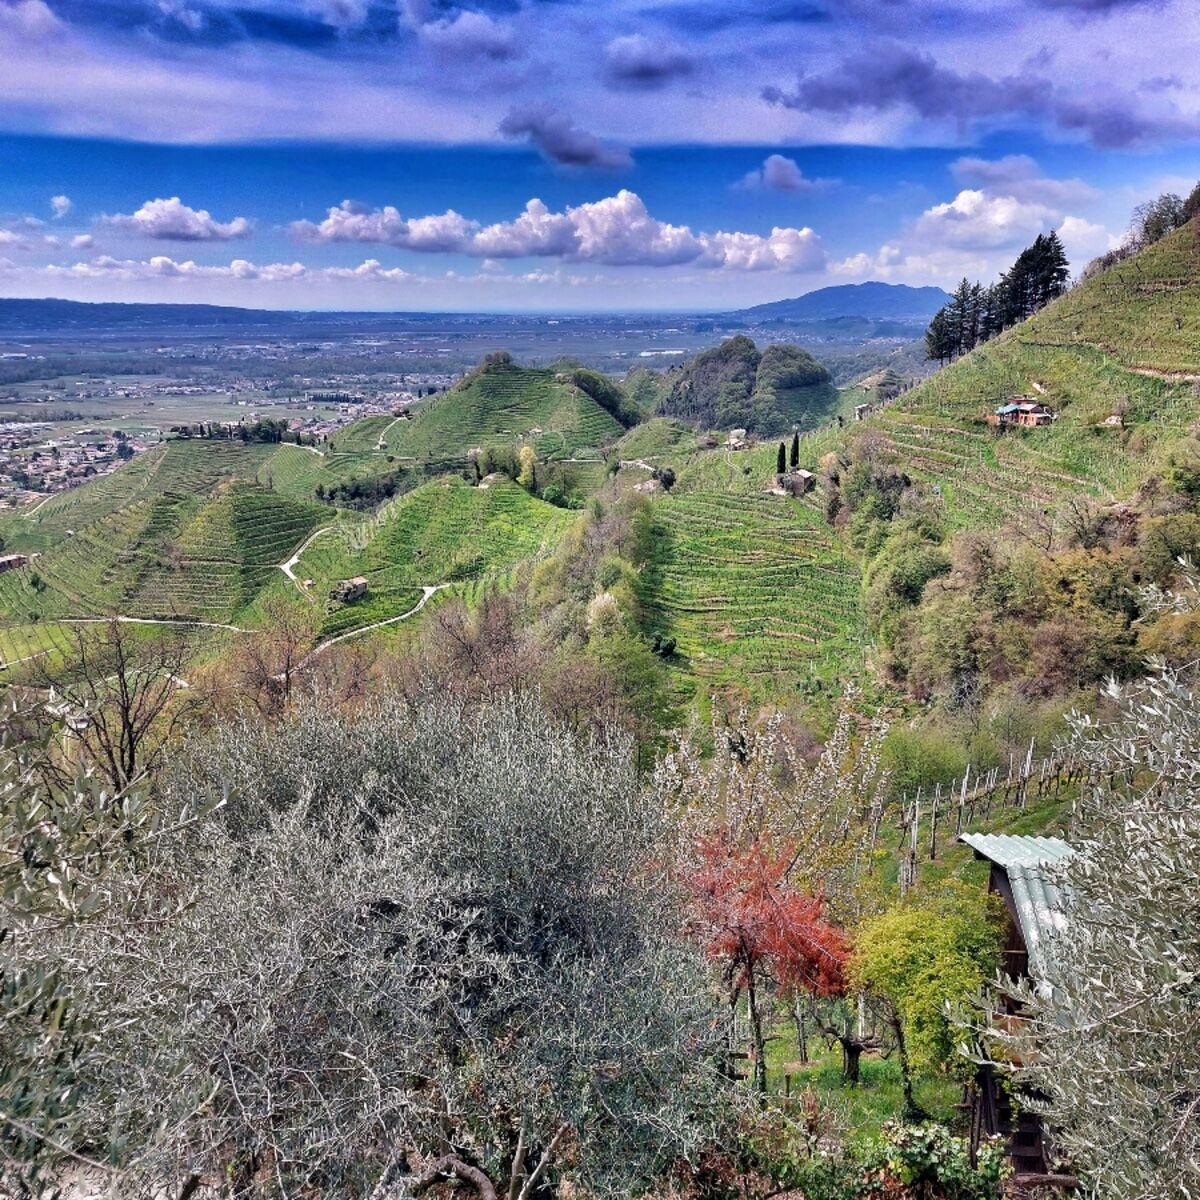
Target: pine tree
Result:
[[795, 456], [781, 460], [1053, 269], [937, 336]]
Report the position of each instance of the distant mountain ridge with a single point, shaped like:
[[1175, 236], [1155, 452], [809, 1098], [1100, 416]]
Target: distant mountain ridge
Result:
[[886, 301], [861, 301]]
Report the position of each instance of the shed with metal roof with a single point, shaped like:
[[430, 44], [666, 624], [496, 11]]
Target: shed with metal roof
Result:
[[1023, 874]]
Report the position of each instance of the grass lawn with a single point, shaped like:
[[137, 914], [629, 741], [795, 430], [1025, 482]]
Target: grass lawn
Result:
[[860, 1110]]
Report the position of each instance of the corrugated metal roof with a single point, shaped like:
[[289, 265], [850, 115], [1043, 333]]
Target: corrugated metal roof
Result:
[[1028, 862], [1007, 849]]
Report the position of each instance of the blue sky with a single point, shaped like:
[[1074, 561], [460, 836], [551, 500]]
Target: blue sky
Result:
[[569, 154]]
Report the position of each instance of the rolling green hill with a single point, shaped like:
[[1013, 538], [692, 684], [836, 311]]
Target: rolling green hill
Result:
[[749, 583], [756, 587], [497, 403], [444, 533]]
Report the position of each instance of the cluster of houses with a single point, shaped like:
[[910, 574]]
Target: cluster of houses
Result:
[[33, 464]]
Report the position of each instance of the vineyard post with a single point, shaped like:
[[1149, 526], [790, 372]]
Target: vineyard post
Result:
[[933, 815], [1026, 775]]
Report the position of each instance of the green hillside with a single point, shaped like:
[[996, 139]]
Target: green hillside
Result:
[[1122, 343], [497, 403], [750, 584], [445, 532], [165, 557], [734, 385]]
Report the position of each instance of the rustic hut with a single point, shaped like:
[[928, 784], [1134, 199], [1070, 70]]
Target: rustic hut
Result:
[[350, 589], [1022, 875], [1021, 413]]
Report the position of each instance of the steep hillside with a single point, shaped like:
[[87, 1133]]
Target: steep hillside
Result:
[[753, 585], [446, 533], [498, 403], [733, 385], [1125, 344], [172, 556]]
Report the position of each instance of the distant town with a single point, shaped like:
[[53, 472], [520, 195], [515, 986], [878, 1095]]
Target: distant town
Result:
[[94, 424]]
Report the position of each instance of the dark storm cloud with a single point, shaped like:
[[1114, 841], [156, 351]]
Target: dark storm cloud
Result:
[[708, 18], [560, 140], [888, 73], [1096, 6], [885, 75], [638, 62]]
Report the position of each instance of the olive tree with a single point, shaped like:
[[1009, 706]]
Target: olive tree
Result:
[[419, 945], [76, 861], [1111, 1051]]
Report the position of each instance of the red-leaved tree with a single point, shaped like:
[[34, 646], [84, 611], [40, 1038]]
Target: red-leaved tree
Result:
[[762, 929]]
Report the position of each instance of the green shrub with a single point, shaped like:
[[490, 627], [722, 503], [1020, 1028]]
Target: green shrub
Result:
[[928, 1162]]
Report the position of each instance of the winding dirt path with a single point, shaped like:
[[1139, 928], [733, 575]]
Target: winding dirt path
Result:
[[427, 593], [289, 567]]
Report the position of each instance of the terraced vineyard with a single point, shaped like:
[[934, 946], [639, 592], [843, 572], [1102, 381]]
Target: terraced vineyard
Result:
[[1115, 344], [495, 404], [178, 467], [170, 556], [443, 532], [749, 583]]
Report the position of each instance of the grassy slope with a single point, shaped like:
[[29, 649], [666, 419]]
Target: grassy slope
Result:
[[749, 583], [493, 405], [445, 532], [811, 407], [754, 587], [1086, 356]]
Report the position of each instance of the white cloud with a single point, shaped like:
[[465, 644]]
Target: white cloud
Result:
[[471, 35], [615, 231], [342, 14], [1019, 176], [160, 266], [172, 220], [619, 230], [82, 241], [783, 250], [779, 174], [177, 10], [32, 19], [976, 220], [1084, 240], [353, 222], [537, 232], [371, 271], [60, 206]]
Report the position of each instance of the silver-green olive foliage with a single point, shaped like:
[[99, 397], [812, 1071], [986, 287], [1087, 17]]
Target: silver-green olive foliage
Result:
[[1114, 1044], [415, 943]]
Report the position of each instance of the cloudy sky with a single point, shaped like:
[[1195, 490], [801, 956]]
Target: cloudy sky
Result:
[[573, 154]]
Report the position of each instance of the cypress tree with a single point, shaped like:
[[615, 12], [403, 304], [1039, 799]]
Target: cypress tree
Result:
[[794, 460], [781, 460]]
